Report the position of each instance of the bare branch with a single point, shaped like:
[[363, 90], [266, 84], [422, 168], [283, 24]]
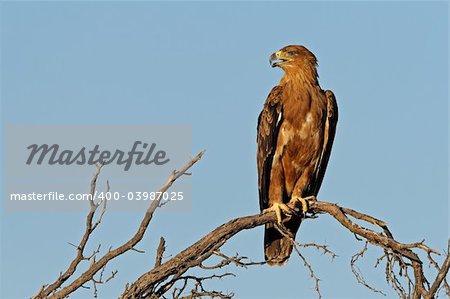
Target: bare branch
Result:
[[45, 291], [319, 247], [103, 261], [160, 251], [194, 256], [171, 274], [237, 260], [311, 271], [357, 272], [441, 275]]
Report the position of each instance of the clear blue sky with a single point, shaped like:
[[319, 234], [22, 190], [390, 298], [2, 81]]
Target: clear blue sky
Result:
[[206, 65]]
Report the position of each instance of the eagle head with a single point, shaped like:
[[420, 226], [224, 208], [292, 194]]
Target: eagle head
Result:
[[293, 57]]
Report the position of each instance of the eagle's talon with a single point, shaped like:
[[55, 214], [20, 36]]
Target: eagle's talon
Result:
[[278, 207], [304, 201]]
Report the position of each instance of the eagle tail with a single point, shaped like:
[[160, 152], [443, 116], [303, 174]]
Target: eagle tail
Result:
[[278, 248]]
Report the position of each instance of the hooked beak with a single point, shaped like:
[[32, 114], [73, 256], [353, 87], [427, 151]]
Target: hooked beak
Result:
[[276, 59]]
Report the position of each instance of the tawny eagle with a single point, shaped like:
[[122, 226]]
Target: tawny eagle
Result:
[[296, 129]]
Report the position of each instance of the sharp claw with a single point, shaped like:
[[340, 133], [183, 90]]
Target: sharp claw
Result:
[[278, 207], [304, 205], [304, 202]]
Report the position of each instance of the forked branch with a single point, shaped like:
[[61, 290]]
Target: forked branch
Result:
[[150, 284], [170, 278], [54, 290]]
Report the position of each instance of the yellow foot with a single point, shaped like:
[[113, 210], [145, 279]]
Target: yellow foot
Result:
[[278, 207], [304, 202]]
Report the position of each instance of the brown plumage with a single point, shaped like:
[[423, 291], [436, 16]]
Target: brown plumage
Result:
[[296, 129]]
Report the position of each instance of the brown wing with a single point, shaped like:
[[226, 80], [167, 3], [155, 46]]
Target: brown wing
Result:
[[330, 131], [269, 123]]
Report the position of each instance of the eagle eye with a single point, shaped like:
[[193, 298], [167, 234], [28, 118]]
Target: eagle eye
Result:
[[292, 53]]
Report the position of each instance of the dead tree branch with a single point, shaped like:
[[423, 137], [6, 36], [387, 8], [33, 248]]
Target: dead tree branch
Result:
[[148, 285], [170, 277], [90, 227], [96, 266]]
